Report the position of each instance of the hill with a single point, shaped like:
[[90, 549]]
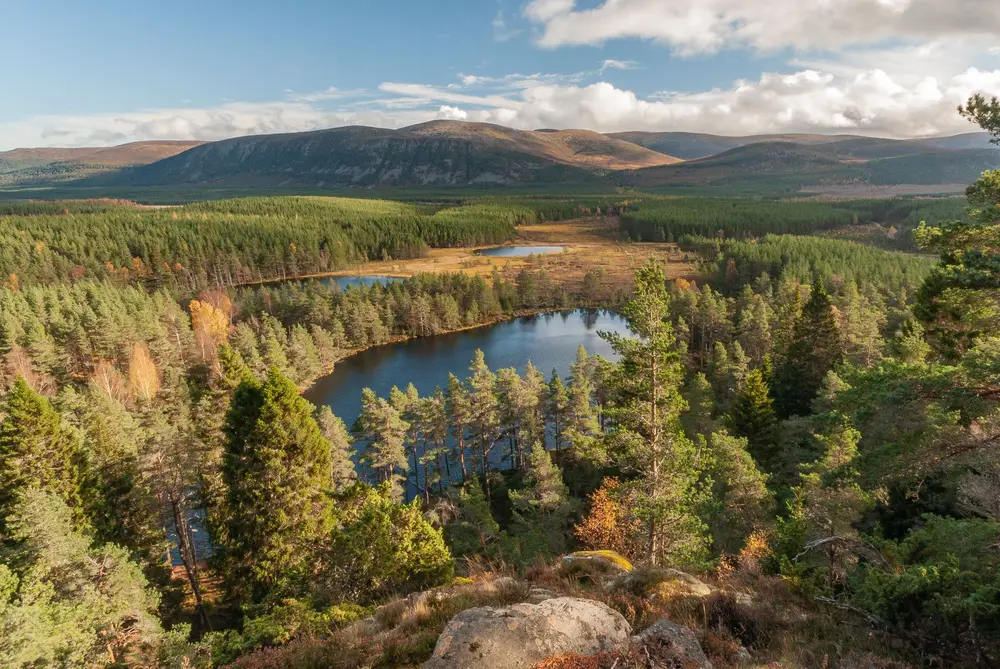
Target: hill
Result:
[[691, 146], [43, 165], [444, 153], [790, 167]]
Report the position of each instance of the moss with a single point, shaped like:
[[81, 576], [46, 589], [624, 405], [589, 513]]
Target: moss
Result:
[[611, 556]]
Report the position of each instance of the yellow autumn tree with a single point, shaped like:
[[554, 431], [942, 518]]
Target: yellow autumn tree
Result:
[[210, 320], [609, 525], [143, 377]]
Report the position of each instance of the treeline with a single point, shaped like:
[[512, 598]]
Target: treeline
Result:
[[733, 263], [669, 219], [556, 209], [227, 243]]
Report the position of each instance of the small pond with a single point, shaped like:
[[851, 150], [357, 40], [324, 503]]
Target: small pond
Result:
[[520, 251]]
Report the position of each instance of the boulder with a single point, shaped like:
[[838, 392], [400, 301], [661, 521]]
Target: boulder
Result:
[[522, 635], [661, 584], [681, 640], [605, 562]]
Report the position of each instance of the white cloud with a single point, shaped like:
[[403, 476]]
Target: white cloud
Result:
[[421, 94], [843, 97], [330, 93], [698, 26], [870, 102], [612, 64], [212, 123], [452, 114]]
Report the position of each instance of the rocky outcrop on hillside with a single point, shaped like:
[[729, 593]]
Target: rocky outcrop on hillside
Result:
[[522, 635]]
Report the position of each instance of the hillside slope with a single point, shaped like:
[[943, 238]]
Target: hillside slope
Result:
[[791, 166], [43, 165], [691, 146], [442, 153]]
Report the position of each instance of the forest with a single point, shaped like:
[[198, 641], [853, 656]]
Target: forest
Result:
[[810, 423]]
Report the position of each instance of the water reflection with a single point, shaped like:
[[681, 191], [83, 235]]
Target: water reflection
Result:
[[548, 340], [520, 251]]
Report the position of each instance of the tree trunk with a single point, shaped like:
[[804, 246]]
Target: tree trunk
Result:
[[187, 558]]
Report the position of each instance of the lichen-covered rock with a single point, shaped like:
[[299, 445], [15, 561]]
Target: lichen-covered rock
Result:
[[522, 635], [608, 562], [681, 640], [660, 584]]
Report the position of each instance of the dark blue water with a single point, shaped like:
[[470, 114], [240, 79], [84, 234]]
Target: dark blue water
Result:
[[359, 281], [549, 341], [520, 251]]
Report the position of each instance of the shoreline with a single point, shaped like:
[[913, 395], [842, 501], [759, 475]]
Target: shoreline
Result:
[[399, 339]]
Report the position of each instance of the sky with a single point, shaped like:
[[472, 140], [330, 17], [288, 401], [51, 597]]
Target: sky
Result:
[[107, 72]]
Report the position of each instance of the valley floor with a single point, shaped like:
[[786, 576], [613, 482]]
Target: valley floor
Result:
[[590, 245]]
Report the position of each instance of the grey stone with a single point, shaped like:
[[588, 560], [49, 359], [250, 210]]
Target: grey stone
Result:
[[522, 635], [681, 640]]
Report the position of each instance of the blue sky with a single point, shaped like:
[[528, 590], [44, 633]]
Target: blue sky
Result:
[[110, 71]]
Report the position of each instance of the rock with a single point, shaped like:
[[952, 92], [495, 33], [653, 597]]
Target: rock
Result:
[[539, 595], [608, 562], [681, 640], [743, 655], [522, 635], [660, 584]]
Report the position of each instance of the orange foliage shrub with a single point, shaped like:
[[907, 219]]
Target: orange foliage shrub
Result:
[[609, 525]]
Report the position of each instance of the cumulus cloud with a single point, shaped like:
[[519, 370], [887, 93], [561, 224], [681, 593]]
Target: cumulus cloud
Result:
[[700, 26], [870, 102], [841, 98], [213, 123]]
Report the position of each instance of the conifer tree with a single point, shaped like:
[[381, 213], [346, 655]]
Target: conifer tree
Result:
[[815, 349], [36, 451], [342, 471], [647, 438], [741, 501], [457, 403], [484, 418], [556, 404], [752, 417], [381, 424], [276, 469], [700, 398], [582, 426]]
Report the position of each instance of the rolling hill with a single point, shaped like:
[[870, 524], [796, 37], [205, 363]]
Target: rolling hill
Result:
[[443, 153], [691, 146], [45, 165], [790, 166], [457, 154]]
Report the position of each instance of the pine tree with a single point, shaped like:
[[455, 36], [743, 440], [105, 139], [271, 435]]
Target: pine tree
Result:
[[742, 503], [484, 417], [582, 426], [381, 424], [647, 438], [544, 490], [70, 603], [457, 403], [556, 404], [342, 470], [36, 451], [815, 349], [700, 398], [276, 469], [752, 417]]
